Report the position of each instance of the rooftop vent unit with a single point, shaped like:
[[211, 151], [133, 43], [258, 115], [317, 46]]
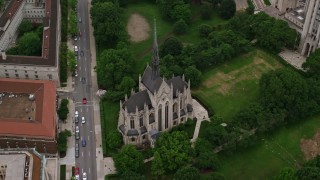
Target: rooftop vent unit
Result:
[[30, 118], [31, 97]]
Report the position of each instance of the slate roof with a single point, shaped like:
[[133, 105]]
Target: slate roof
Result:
[[189, 108], [137, 99], [146, 79], [143, 130], [122, 128], [177, 83], [154, 133], [132, 132]]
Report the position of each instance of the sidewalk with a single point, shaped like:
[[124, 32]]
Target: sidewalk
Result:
[[104, 165], [202, 115]]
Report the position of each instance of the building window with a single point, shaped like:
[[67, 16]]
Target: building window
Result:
[[26, 71], [133, 139], [166, 115], [174, 123], [132, 123], [15, 71], [27, 76], [35, 72], [17, 75], [160, 118], [7, 75], [141, 121], [144, 137], [5, 70], [36, 76], [50, 76]]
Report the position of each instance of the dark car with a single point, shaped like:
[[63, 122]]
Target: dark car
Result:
[[77, 150], [84, 143], [77, 119]]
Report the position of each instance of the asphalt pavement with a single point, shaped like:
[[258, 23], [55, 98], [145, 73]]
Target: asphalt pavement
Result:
[[83, 89]]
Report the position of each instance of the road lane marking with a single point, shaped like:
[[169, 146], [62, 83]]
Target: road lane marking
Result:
[[85, 69], [89, 153], [87, 109], [80, 67], [82, 154], [88, 138], [89, 170], [81, 109]]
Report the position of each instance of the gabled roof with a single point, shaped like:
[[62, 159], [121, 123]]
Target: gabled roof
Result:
[[147, 80], [137, 100], [177, 83]]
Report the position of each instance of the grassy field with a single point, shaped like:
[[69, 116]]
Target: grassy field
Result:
[[278, 150], [142, 50], [234, 85], [110, 118], [63, 172]]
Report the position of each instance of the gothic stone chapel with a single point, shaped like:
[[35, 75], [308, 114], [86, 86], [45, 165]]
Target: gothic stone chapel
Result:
[[159, 105]]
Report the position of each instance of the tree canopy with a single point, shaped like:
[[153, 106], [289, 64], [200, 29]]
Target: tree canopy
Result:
[[29, 44], [227, 8], [189, 173], [174, 149], [128, 159], [174, 10]]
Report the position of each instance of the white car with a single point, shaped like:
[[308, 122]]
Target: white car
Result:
[[84, 176], [83, 120], [77, 177], [76, 114], [77, 129]]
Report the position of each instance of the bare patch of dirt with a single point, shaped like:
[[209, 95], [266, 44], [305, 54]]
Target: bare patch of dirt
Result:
[[138, 28], [225, 82], [311, 147]]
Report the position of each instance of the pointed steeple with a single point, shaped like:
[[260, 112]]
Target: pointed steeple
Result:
[[155, 55]]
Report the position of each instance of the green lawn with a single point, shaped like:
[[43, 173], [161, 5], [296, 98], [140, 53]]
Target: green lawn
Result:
[[267, 158], [234, 85], [110, 121], [142, 50]]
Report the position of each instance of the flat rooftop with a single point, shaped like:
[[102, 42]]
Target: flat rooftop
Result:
[[12, 166], [22, 117], [17, 106]]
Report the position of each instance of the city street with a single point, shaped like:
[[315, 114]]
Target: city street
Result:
[[83, 89]]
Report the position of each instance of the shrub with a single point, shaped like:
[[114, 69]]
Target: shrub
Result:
[[205, 12], [180, 27], [204, 30]]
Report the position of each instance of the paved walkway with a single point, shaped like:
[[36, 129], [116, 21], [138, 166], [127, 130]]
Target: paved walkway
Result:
[[201, 114], [293, 57]]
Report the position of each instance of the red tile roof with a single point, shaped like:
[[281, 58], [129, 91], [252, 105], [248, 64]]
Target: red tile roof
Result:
[[44, 125]]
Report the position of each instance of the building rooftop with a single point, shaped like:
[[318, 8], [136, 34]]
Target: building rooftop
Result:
[[49, 48], [21, 117], [12, 166]]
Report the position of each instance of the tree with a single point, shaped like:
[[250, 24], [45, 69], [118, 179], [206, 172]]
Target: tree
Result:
[[312, 64], [113, 65], [131, 175], [73, 23], [180, 27], [63, 110], [63, 63], [216, 2], [287, 90], [128, 159], [202, 146], [204, 30], [127, 84], [216, 135], [306, 173], [205, 12], [189, 173], [157, 167], [250, 8], [174, 10], [107, 23], [62, 140], [207, 160], [174, 149], [286, 173], [114, 139], [72, 4], [24, 27], [171, 46], [72, 62], [194, 75], [29, 44], [227, 9]]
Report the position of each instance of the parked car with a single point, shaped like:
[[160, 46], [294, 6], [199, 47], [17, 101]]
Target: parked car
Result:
[[77, 135], [77, 129], [83, 120], [77, 119], [77, 150], [76, 114], [76, 50], [84, 176], [84, 143], [80, 20]]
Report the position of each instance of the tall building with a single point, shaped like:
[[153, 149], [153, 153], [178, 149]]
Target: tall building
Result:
[[310, 35], [284, 5], [159, 105], [45, 66]]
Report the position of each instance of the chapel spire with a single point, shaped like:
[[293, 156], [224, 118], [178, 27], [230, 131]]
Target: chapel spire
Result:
[[155, 55]]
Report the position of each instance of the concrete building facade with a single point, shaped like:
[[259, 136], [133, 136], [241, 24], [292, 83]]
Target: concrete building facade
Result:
[[159, 105], [284, 5], [44, 67]]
